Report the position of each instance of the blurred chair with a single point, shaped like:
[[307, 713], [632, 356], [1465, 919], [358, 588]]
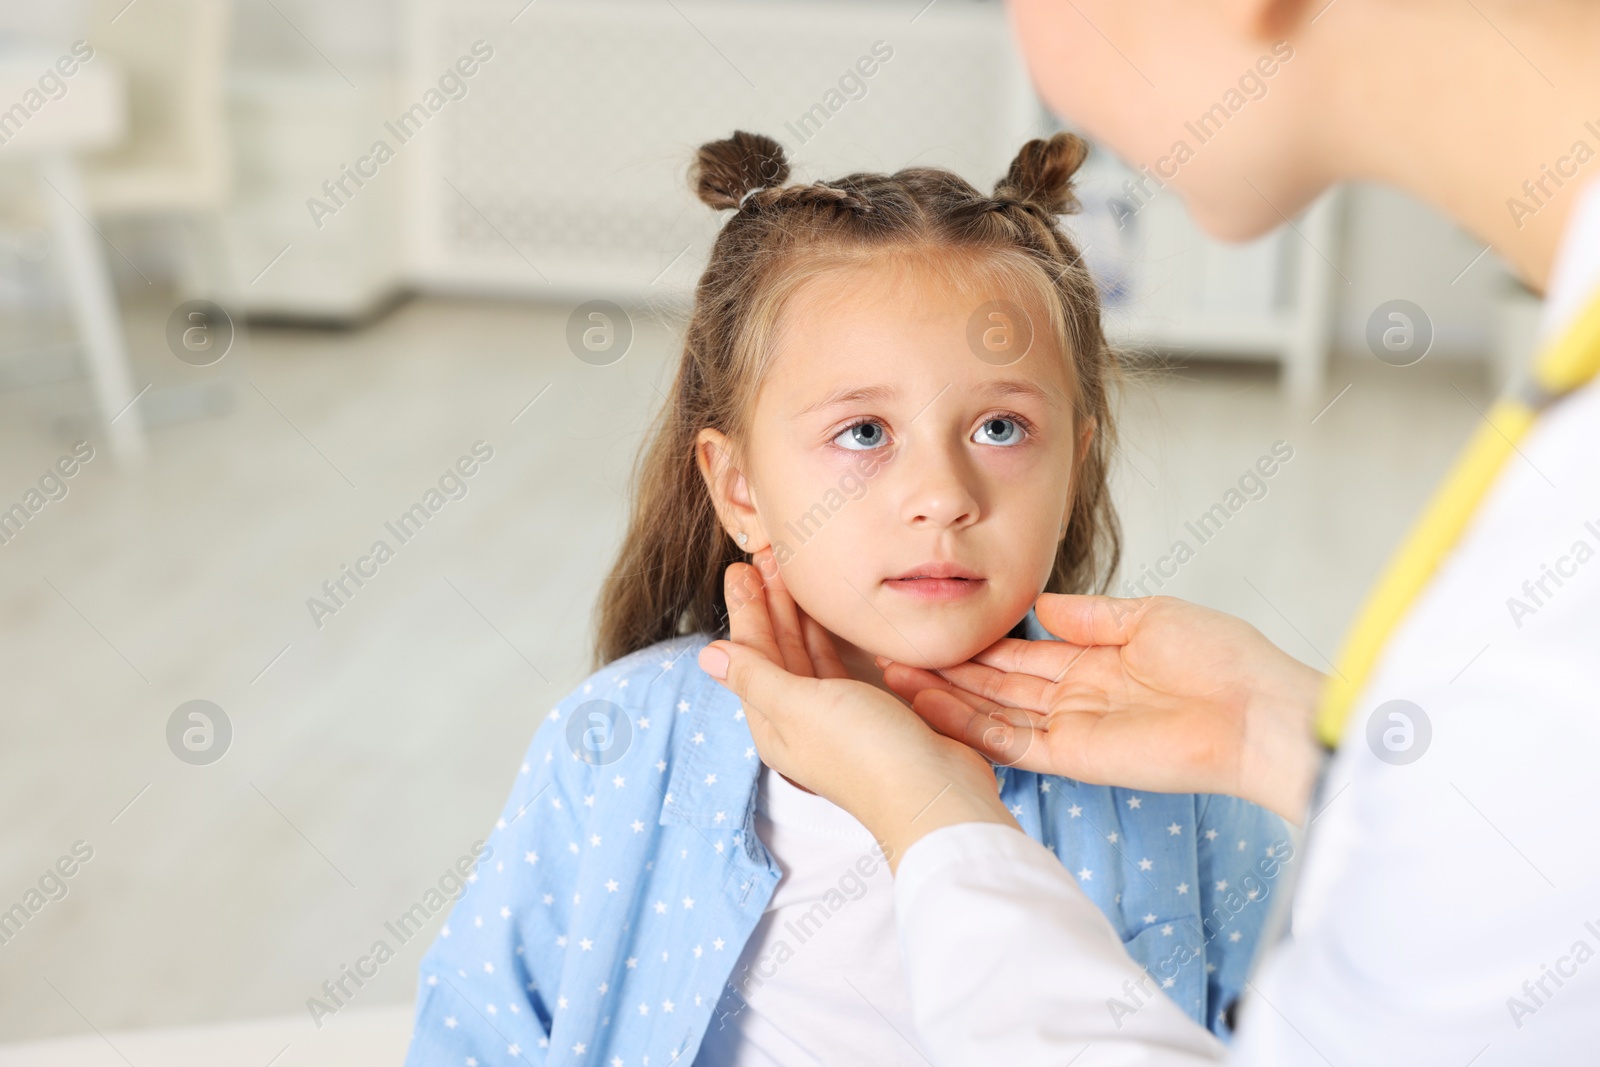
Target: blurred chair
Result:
[[174, 162], [140, 133], [89, 115]]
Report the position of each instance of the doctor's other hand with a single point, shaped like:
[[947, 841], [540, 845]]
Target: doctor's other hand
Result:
[[1153, 693], [853, 743]]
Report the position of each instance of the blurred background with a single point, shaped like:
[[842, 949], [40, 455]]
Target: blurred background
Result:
[[270, 268]]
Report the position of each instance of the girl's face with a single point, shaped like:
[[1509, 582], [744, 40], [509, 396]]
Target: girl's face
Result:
[[914, 494]]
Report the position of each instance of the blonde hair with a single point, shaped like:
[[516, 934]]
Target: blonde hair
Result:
[[668, 576]]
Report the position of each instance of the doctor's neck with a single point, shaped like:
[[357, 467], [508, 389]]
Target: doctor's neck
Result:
[[1490, 110]]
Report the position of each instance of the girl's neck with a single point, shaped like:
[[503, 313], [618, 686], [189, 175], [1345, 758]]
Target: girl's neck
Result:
[[860, 665]]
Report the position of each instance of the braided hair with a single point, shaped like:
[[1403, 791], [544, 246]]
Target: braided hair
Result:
[[667, 579]]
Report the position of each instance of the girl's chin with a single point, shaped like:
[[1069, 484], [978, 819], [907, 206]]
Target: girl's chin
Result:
[[932, 637], [933, 651]]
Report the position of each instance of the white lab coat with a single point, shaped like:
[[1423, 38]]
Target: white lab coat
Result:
[[1448, 910]]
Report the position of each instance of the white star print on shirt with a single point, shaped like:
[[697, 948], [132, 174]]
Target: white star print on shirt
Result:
[[1090, 825]]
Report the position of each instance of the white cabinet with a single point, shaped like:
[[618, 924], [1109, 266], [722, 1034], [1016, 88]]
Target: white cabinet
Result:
[[562, 173], [291, 133]]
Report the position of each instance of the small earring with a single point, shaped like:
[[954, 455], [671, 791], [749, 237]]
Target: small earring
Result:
[[743, 537]]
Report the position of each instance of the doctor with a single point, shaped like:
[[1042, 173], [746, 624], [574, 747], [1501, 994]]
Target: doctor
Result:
[[1447, 909]]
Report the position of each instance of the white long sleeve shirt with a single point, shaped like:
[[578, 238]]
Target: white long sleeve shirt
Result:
[[1449, 908]]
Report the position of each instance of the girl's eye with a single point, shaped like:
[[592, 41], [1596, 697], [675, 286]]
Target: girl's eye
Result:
[[861, 437], [999, 431]]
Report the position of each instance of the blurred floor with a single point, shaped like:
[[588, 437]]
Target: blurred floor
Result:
[[357, 1037], [369, 754]]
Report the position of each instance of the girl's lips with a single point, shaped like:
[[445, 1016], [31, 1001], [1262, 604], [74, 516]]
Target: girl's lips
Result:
[[937, 569], [936, 588]]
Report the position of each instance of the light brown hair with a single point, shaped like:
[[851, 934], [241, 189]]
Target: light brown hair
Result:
[[668, 577]]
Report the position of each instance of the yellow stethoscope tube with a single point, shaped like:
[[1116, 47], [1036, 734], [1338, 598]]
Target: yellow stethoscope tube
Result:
[[1571, 362]]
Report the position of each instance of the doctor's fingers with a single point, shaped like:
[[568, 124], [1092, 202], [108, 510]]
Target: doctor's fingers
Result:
[[785, 615], [1007, 736], [1088, 745], [1084, 619], [981, 687], [749, 623], [770, 694], [907, 680], [1014, 689], [1048, 660], [752, 620], [825, 659]]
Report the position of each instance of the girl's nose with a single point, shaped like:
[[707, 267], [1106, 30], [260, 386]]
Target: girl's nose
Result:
[[940, 494]]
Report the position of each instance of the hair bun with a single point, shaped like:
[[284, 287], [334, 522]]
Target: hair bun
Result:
[[1042, 173], [726, 170]]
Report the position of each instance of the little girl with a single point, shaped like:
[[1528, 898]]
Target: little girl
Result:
[[894, 393]]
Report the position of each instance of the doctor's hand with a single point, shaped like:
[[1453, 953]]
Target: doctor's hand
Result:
[[1153, 693], [851, 742]]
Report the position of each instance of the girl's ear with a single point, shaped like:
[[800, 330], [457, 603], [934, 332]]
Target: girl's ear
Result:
[[1086, 434], [731, 494]]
